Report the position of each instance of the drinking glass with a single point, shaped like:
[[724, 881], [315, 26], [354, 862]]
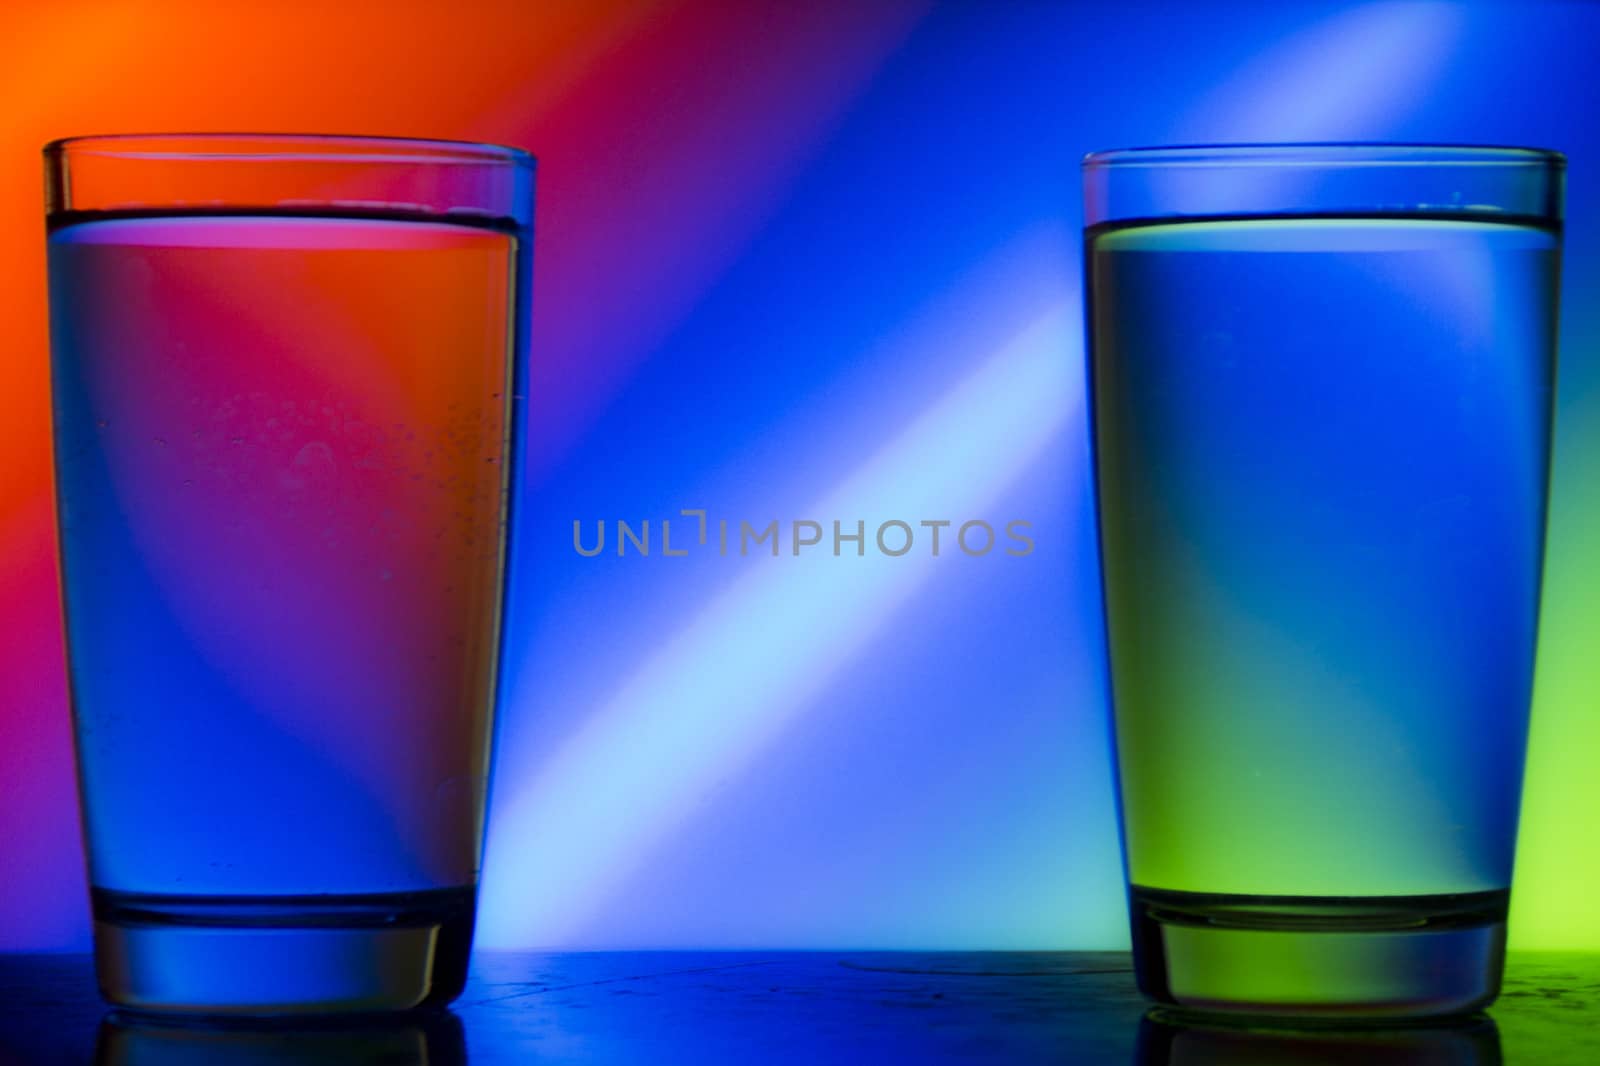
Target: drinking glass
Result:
[[1322, 380], [287, 377]]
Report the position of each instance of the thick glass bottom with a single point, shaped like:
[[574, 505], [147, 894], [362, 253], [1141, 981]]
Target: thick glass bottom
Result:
[[1312, 957], [262, 955]]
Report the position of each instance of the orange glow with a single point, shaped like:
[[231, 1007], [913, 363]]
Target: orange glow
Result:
[[66, 69]]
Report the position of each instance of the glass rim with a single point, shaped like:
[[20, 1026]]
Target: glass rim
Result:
[[1330, 154], [241, 146]]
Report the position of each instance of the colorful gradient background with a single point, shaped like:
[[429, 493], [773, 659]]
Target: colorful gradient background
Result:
[[801, 260]]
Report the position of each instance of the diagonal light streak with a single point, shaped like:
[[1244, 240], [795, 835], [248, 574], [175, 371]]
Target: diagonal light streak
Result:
[[728, 684]]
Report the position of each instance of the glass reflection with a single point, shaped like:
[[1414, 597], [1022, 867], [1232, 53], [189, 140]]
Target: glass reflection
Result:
[[1166, 1039], [434, 1039]]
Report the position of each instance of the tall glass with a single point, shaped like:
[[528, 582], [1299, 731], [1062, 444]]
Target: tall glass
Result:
[[287, 375], [1322, 380]]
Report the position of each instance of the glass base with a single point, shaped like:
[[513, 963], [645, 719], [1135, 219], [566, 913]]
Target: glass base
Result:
[[1319, 958], [267, 955]]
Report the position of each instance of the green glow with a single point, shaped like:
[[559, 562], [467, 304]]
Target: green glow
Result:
[[1553, 899], [1321, 508]]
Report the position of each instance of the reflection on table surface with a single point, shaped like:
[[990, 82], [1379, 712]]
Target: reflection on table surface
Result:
[[778, 1008], [1168, 1040], [432, 1039]]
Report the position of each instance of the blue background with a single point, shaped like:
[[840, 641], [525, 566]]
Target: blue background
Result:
[[822, 262], [907, 752]]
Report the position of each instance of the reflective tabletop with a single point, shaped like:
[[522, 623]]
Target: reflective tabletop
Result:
[[774, 1008]]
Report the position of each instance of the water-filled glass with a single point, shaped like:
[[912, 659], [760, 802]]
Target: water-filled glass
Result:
[[1322, 382], [288, 378]]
